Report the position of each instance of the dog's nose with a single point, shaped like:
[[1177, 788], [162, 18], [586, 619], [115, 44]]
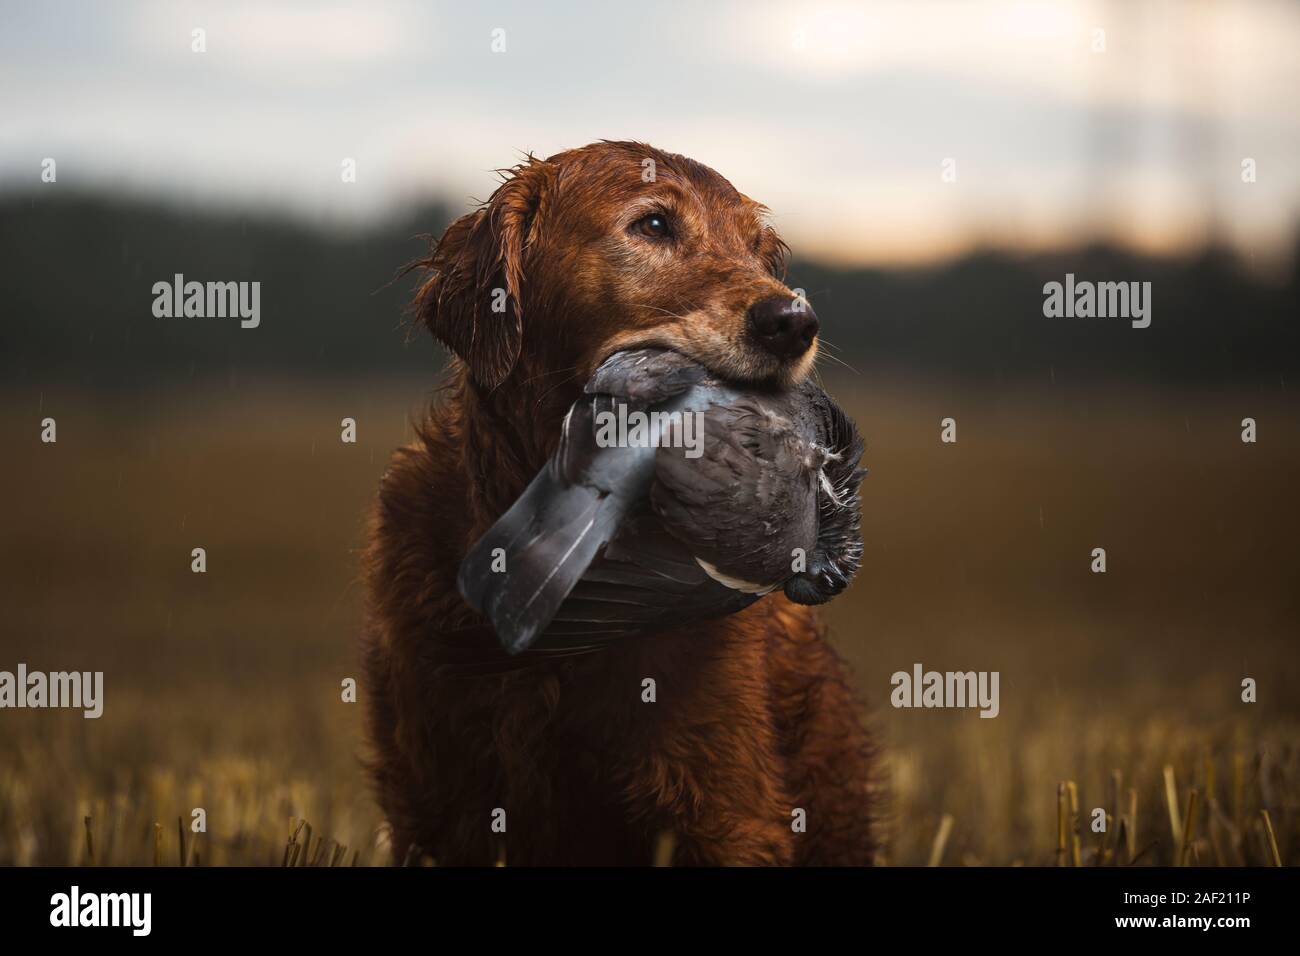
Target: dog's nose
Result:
[[785, 326]]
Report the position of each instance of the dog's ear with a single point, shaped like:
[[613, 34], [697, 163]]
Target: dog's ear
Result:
[[471, 298]]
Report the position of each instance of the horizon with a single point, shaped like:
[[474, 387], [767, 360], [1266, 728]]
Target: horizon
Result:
[[1058, 136], [430, 214]]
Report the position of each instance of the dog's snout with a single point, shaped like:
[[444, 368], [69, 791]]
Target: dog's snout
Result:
[[784, 326]]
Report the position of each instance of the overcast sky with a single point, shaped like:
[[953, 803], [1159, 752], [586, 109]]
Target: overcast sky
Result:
[[837, 115]]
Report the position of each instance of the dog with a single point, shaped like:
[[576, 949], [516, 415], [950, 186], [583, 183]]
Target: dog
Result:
[[736, 742]]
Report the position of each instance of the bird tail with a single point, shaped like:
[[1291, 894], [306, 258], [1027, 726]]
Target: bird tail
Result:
[[519, 573]]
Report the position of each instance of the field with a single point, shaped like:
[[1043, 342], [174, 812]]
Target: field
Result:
[[1119, 690]]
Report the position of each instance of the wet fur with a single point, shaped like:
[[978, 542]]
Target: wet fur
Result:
[[755, 714]]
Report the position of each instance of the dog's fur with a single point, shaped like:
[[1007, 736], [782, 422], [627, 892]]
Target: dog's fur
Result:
[[754, 718]]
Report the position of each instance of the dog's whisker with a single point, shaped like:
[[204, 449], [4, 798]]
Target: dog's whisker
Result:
[[837, 360], [834, 358], [558, 371], [647, 305], [541, 398]]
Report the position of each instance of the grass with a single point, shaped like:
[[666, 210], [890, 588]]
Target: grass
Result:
[[72, 795], [1120, 692], [1170, 793]]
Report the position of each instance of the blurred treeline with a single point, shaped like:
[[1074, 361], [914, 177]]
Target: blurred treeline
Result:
[[78, 271]]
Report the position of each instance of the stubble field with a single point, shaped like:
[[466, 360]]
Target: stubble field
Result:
[[1119, 691]]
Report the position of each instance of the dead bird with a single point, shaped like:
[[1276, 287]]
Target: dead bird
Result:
[[673, 496]]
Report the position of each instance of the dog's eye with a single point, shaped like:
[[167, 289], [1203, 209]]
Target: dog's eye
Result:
[[653, 226]]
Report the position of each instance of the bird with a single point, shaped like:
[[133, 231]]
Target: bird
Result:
[[673, 496]]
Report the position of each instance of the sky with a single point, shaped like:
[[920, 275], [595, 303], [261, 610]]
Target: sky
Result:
[[848, 119]]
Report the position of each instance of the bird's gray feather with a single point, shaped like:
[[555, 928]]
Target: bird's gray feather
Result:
[[613, 541]]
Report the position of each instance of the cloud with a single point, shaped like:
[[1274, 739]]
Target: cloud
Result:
[[293, 42], [837, 115]]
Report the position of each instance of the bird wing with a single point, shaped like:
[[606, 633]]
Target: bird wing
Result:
[[645, 580], [521, 570]]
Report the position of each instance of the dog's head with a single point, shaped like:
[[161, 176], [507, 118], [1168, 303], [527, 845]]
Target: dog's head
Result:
[[614, 246]]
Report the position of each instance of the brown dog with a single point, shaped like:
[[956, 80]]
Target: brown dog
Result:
[[596, 249]]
